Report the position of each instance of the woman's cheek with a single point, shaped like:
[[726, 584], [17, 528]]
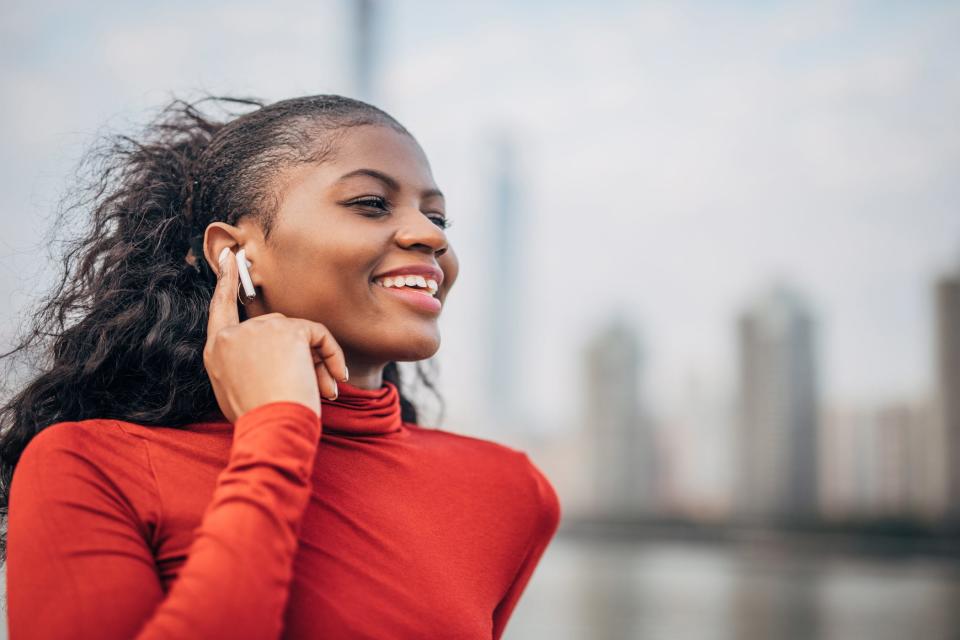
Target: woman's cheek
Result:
[[451, 267]]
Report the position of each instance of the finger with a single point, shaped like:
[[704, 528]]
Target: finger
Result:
[[326, 383], [223, 303], [323, 344]]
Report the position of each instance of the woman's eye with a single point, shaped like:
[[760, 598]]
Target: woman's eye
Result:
[[382, 207], [371, 203], [441, 221], [374, 207]]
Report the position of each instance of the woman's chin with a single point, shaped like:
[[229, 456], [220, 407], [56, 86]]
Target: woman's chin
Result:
[[420, 347]]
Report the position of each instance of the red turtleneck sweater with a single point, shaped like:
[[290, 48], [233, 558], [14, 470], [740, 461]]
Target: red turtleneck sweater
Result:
[[385, 530]]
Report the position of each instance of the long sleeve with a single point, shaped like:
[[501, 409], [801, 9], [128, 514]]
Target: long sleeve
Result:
[[80, 563], [545, 526]]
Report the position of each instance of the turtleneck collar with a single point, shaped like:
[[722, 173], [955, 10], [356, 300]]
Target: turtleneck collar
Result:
[[355, 412], [362, 412]]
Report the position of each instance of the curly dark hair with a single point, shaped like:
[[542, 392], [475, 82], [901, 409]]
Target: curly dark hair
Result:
[[121, 335]]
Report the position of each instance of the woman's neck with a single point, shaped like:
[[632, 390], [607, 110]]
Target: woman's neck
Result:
[[365, 376]]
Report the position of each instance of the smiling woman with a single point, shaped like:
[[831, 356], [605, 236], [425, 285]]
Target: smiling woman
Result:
[[191, 465], [370, 208]]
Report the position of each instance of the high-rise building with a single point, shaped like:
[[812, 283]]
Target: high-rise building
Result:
[[363, 55], [948, 388], [880, 461], [906, 450], [778, 410], [623, 457], [506, 277]]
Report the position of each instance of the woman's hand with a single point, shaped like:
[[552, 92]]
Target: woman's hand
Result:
[[268, 358]]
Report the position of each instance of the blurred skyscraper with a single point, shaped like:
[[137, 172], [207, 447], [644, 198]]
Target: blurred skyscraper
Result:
[[505, 278], [364, 49], [907, 448], [778, 410], [881, 461], [624, 458], [948, 376]]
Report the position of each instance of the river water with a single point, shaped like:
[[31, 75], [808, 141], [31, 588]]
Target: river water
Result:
[[610, 590]]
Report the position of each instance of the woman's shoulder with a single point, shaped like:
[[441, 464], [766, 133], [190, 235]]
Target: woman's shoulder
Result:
[[89, 437], [508, 463], [108, 437], [455, 441], [88, 460], [95, 450]]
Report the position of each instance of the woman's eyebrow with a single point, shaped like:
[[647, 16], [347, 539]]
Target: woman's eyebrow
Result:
[[387, 180]]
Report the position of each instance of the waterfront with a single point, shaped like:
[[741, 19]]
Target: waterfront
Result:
[[607, 589]]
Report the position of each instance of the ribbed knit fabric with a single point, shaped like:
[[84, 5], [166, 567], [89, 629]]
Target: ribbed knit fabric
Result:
[[385, 530]]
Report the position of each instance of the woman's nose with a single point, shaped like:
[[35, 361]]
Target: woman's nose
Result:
[[417, 231]]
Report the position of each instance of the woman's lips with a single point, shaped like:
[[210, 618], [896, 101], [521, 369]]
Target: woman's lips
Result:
[[422, 301]]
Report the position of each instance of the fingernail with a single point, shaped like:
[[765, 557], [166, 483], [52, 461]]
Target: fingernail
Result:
[[223, 256], [336, 392], [346, 374]]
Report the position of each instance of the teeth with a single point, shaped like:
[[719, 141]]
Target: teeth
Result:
[[418, 282]]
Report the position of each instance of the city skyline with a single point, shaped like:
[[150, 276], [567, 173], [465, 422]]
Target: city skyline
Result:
[[795, 459]]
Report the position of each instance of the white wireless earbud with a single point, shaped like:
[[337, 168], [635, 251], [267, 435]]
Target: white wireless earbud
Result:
[[242, 264]]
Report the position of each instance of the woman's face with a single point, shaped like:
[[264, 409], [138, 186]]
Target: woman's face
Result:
[[372, 208]]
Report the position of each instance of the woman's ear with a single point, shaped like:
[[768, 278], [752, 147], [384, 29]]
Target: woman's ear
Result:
[[217, 236]]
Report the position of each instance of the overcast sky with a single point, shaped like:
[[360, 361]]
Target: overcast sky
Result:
[[674, 160]]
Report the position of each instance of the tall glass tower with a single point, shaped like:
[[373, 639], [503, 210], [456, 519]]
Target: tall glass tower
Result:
[[778, 409]]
